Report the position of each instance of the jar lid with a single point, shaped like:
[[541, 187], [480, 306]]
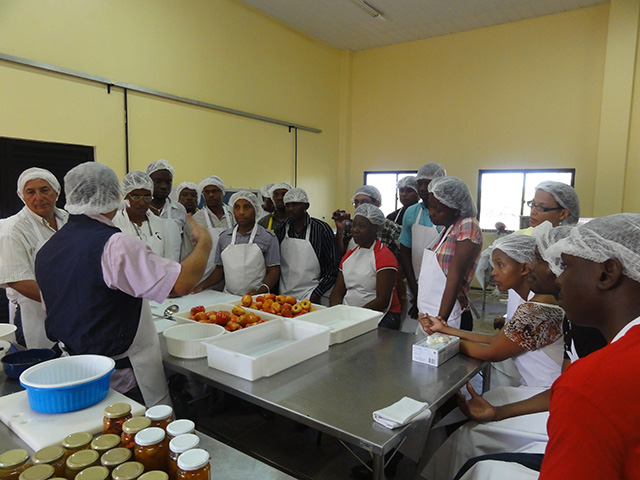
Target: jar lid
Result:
[[115, 457], [193, 459], [117, 410], [82, 459], [185, 442], [37, 472], [48, 454], [127, 471], [105, 442], [13, 458], [93, 473], [159, 412], [149, 436], [154, 475], [180, 427], [135, 424], [77, 440]]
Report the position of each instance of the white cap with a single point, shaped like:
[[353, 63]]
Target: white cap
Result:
[[149, 436], [566, 197], [34, 174], [408, 182], [181, 427], [546, 235], [136, 181], [193, 459], [266, 189], [212, 180], [189, 185], [453, 193], [182, 443], [369, 191], [91, 189], [279, 186], [249, 197], [296, 195], [159, 412], [159, 165], [431, 170], [370, 212]]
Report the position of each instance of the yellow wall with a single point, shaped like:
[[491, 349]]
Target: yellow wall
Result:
[[215, 51], [522, 95]]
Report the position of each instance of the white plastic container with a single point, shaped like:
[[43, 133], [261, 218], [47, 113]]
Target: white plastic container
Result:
[[345, 322], [436, 349], [266, 349], [185, 341]]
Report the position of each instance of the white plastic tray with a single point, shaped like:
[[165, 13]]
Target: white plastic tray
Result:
[[344, 321], [266, 349]]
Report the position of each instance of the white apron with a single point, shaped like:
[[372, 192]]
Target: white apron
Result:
[[422, 238], [359, 273], [32, 313], [244, 266], [146, 360], [431, 285], [299, 267], [215, 235], [540, 368], [143, 232]]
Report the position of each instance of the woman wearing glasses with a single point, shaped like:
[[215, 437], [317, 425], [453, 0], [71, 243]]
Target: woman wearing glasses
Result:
[[555, 202], [134, 218]]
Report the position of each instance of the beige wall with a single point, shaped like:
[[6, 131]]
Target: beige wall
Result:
[[527, 94], [521, 95], [215, 51]]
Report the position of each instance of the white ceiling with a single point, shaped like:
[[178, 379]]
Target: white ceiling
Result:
[[344, 25]]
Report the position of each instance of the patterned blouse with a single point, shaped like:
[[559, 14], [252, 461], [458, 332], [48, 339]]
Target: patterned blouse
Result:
[[535, 325]]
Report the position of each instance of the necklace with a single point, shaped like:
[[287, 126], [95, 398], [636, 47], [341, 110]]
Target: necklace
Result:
[[155, 210]]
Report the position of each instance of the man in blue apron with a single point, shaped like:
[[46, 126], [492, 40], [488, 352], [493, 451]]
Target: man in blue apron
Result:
[[308, 252], [95, 281], [21, 236]]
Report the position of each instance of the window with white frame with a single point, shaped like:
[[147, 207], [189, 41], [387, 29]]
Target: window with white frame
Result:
[[386, 182], [503, 194]]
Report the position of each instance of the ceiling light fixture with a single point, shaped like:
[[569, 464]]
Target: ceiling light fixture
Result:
[[369, 9]]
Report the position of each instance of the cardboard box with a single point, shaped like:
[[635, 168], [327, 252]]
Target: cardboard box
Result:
[[436, 353]]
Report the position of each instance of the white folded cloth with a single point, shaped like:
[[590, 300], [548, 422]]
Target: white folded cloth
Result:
[[402, 412]]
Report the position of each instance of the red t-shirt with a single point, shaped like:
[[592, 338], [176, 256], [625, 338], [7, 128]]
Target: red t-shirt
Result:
[[384, 259]]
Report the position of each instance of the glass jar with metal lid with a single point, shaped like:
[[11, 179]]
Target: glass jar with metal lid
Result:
[[152, 449], [127, 471], [177, 446], [160, 415], [54, 456], [94, 473], [38, 472], [131, 427], [79, 461], [180, 427], [13, 463], [114, 457], [114, 416], [194, 465], [76, 441], [154, 475], [106, 442]]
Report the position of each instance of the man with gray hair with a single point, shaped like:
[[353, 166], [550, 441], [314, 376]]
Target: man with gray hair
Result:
[[95, 281], [21, 236]]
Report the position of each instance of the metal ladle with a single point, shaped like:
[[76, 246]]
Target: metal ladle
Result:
[[170, 310]]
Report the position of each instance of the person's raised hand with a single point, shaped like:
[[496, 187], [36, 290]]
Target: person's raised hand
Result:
[[199, 233]]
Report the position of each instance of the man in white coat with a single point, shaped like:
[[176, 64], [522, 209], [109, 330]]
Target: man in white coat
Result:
[[21, 236]]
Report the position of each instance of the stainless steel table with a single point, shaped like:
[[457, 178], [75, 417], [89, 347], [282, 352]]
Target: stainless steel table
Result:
[[226, 462], [337, 392]]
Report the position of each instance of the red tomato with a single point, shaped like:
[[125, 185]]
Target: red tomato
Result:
[[223, 317], [197, 309]]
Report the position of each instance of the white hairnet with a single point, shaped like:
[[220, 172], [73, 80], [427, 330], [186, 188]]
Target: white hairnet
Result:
[[279, 186], [566, 197], [264, 191], [136, 180], [35, 173], [370, 212], [453, 193], [615, 236], [296, 195], [369, 191], [91, 188], [431, 170], [159, 165], [546, 235], [408, 182], [189, 185], [212, 180], [520, 248], [249, 197]]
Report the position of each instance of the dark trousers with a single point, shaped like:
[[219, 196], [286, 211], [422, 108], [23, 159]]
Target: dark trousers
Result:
[[529, 460]]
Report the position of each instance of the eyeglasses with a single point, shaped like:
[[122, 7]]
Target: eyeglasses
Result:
[[542, 209], [146, 198], [356, 203]]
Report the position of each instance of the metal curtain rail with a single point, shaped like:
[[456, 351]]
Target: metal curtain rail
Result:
[[155, 93]]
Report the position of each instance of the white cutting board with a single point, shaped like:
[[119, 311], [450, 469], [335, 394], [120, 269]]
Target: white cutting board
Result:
[[39, 430]]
